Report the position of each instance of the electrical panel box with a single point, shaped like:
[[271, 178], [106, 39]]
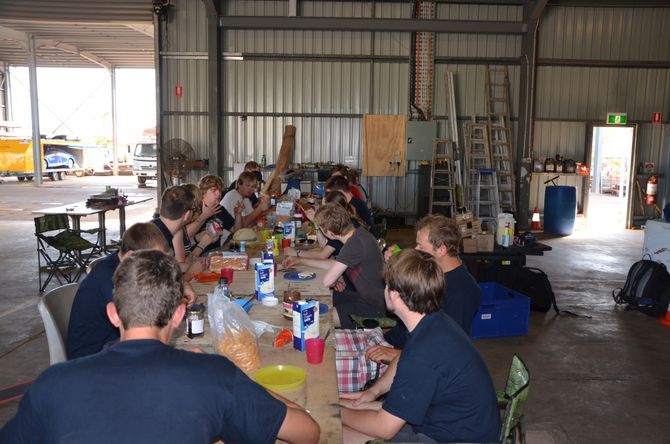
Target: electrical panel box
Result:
[[420, 135]]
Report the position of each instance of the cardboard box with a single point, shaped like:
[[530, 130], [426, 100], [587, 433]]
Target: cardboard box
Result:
[[462, 218], [484, 242], [468, 229], [469, 245]]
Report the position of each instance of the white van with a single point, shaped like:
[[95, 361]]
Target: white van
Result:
[[144, 162]]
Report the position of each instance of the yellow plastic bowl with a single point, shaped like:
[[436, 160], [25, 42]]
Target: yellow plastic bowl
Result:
[[280, 377]]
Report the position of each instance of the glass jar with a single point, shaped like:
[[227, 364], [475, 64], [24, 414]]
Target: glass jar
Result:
[[289, 297], [195, 321]]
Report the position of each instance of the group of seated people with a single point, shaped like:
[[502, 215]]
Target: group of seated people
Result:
[[437, 387]]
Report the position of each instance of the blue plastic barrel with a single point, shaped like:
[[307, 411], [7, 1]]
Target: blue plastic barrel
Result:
[[560, 207]]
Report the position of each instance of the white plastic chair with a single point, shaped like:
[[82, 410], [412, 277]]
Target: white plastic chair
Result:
[[55, 307]]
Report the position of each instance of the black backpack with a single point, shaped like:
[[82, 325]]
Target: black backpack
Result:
[[534, 283], [647, 288]]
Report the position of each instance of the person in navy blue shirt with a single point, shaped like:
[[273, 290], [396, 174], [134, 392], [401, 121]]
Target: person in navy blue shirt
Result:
[[440, 237], [89, 328], [141, 390], [439, 389]]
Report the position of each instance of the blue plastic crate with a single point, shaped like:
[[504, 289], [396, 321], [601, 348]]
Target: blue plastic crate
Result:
[[502, 312]]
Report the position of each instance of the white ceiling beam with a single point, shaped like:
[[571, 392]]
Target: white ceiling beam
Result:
[[72, 49], [142, 28], [18, 36]]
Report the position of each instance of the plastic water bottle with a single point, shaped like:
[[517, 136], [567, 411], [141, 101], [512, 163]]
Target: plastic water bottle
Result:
[[505, 236], [222, 289]]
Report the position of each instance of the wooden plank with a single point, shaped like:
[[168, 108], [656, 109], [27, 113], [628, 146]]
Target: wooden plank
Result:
[[273, 184], [384, 145]]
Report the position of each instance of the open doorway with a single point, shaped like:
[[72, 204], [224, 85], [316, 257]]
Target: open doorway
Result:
[[611, 163]]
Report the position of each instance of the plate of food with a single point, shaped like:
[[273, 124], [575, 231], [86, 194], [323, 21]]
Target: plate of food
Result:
[[299, 276], [206, 278], [280, 377]]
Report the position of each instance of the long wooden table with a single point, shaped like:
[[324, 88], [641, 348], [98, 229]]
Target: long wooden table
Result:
[[319, 393]]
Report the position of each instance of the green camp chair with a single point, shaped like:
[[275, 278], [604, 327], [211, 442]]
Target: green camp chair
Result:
[[380, 229], [371, 322], [513, 400], [64, 251]]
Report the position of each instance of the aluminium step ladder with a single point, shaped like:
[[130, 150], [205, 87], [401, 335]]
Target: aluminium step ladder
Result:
[[477, 156], [442, 184], [500, 132], [487, 202]]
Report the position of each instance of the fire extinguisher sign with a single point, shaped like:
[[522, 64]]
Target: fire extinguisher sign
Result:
[[656, 118]]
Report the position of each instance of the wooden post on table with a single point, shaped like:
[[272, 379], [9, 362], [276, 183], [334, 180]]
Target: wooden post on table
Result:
[[272, 185]]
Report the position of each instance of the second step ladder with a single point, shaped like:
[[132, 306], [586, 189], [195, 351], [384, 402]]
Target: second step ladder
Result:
[[487, 199], [500, 132], [442, 183]]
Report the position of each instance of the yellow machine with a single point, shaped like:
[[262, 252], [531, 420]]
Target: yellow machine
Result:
[[62, 157]]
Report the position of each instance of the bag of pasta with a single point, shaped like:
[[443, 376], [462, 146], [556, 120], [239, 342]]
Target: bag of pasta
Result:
[[233, 334]]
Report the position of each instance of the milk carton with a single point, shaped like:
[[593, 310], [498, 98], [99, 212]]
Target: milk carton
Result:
[[265, 280], [305, 322], [289, 232]]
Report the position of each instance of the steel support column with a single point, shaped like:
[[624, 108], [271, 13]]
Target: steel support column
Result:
[[34, 111], [161, 183], [115, 160], [214, 82], [523, 156]]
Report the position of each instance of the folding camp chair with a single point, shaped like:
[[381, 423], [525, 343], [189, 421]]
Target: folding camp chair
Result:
[[64, 251], [512, 401]]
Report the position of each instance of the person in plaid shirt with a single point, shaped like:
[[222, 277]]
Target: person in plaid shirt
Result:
[[439, 389]]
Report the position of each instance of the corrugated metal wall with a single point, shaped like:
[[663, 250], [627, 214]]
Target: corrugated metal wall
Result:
[[284, 80], [340, 91], [328, 96], [588, 93], [599, 60], [183, 54], [605, 33]]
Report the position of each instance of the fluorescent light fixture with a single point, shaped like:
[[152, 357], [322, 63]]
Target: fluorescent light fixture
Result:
[[232, 56]]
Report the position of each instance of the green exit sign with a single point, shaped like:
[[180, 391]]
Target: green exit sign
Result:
[[617, 118]]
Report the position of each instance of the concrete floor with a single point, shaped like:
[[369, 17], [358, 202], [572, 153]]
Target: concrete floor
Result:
[[599, 380]]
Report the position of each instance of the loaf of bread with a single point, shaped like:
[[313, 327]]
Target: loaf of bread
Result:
[[244, 234]]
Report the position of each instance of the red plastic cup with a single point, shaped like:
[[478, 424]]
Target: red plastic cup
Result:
[[228, 274], [285, 243], [314, 348]]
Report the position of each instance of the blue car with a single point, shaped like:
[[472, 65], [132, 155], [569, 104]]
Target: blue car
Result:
[[59, 159]]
